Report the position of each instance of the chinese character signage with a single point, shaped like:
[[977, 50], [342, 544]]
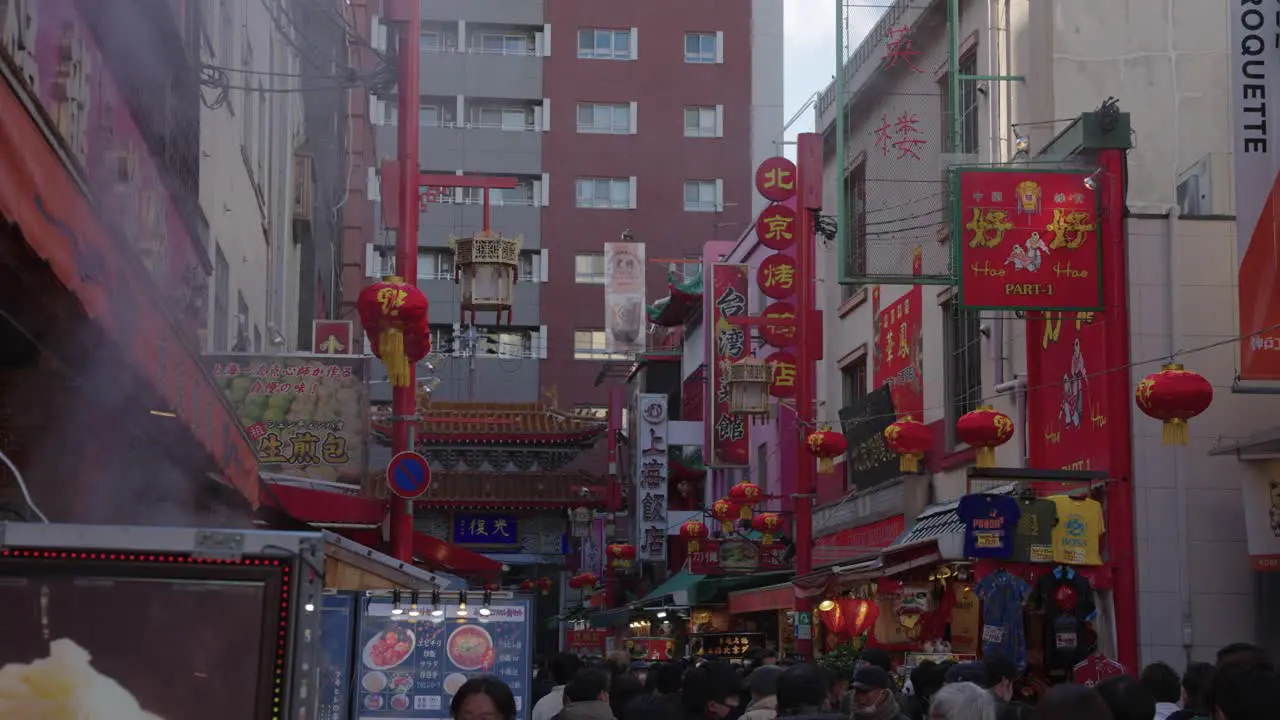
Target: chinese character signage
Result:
[[306, 415], [871, 462], [776, 179], [486, 529], [1027, 240], [898, 349], [588, 642], [1067, 423], [331, 337], [624, 321], [782, 374], [729, 435], [727, 557], [650, 450], [410, 667], [337, 623]]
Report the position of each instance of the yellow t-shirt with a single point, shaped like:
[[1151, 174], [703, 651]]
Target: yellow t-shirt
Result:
[[1077, 535]]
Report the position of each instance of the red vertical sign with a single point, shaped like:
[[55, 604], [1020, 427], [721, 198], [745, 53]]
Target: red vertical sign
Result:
[[1067, 396], [729, 434], [899, 344]]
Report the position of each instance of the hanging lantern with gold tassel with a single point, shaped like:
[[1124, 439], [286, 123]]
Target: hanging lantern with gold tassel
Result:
[[745, 495], [910, 438], [985, 429], [724, 511], [1174, 396], [826, 445], [767, 524], [695, 531], [394, 316]]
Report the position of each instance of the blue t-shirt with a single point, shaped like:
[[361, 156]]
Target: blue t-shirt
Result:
[[990, 525], [1003, 594]]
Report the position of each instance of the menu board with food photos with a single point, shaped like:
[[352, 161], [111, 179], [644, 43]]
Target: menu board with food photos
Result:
[[411, 667]]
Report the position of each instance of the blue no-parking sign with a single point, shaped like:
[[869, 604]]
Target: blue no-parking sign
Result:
[[408, 475]]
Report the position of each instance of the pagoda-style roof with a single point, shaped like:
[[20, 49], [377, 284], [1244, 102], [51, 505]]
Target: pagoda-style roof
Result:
[[470, 423], [489, 490], [684, 300]]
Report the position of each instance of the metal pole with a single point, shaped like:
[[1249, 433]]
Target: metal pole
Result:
[[403, 402], [956, 129], [842, 227]]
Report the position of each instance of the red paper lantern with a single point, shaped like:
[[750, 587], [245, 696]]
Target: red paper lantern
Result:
[[582, 582], [726, 512], [985, 429], [526, 586], [394, 316], [910, 438], [694, 531], [544, 585], [745, 495], [620, 555], [1174, 396], [826, 445], [492, 587], [767, 524], [832, 617], [859, 614]]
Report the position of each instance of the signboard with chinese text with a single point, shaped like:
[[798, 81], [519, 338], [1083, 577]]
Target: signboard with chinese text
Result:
[[728, 557], [588, 642], [307, 415], [869, 537], [409, 668], [1067, 423], [1027, 240], [871, 462], [782, 374], [898, 349], [729, 435], [650, 449], [337, 626], [776, 276], [624, 320], [486, 529], [332, 337], [776, 179]]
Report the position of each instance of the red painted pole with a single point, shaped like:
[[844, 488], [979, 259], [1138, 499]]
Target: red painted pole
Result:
[[1120, 522], [403, 402]]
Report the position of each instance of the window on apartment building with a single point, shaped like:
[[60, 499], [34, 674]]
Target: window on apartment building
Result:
[[507, 343], [612, 119], [221, 299], [429, 116], [502, 118], [962, 340], [609, 193], [968, 108], [855, 204], [700, 196], [700, 47], [502, 44], [591, 345], [430, 41], [700, 121], [435, 264], [602, 44], [588, 268], [520, 196], [853, 382]]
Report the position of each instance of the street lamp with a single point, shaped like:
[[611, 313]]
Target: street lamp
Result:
[[485, 267], [748, 381]]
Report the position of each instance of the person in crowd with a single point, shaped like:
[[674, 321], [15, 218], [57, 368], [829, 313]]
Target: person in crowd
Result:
[[619, 661], [924, 683], [1072, 702], [662, 696], [1195, 684], [839, 697], [1233, 650], [483, 698], [1165, 687], [762, 683], [563, 667], [711, 692], [963, 701], [873, 695], [624, 688], [770, 657], [541, 680], [1000, 674], [1245, 686], [586, 697], [971, 672], [804, 694], [1127, 698]]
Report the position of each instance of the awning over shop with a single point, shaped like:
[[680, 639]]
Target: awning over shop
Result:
[[321, 507], [454, 559], [348, 565], [770, 597], [618, 617], [676, 590], [937, 535], [1264, 445], [716, 590]]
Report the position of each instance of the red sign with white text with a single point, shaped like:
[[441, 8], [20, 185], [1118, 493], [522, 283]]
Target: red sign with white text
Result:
[[729, 435], [587, 642], [1067, 391], [1028, 241], [898, 350]]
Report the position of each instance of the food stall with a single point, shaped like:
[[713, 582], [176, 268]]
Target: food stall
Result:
[[726, 645]]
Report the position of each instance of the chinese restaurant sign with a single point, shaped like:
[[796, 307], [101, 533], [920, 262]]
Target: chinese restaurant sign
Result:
[[730, 434], [307, 415], [899, 345], [1028, 240], [486, 529], [864, 423], [588, 642], [651, 478], [1067, 424], [726, 557]]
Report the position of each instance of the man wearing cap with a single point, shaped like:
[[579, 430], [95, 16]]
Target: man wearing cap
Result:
[[763, 684], [873, 696]]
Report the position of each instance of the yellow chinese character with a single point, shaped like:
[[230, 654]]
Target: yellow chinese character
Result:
[[478, 527], [1070, 228], [334, 449], [904, 347], [888, 346], [777, 227], [1083, 318], [391, 299], [779, 177], [270, 449], [500, 527], [304, 446], [984, 224], [1052, 329], [780, 275], [784, 374]]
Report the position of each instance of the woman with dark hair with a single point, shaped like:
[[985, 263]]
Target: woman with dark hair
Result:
[[1127, 698], [1072, 702], [483, 698]]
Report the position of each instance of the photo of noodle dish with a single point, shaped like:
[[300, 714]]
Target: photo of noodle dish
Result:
[[469, 646]]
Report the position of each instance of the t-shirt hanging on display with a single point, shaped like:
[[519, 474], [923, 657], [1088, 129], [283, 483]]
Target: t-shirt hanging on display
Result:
[[989, 522], [1033, 539], [1003, 595], [1077, 538], [1066, 597]]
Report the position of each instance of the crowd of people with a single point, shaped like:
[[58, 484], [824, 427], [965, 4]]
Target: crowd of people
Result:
[[1242, 685]]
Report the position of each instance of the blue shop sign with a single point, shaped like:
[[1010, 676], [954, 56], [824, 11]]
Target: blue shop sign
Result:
[[486, 529]]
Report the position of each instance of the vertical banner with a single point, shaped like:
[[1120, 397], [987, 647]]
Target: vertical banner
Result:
[[650, 449], [899, 347], [1257, 162], [624, 326], [729, 435], [1067, 391], [337, 626], [307, 415], [592, 555]]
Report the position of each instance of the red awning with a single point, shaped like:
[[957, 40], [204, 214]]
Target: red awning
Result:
[[453, 559], [773, 597]]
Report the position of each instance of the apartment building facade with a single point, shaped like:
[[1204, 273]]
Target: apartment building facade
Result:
[[1171, 71], [645, 119]]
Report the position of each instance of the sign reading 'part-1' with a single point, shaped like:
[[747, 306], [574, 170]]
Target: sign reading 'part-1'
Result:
[[1027, 240]]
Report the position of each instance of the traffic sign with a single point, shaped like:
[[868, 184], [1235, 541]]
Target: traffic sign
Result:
[[408, 475]]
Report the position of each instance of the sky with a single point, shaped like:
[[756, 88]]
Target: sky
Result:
[[809, 50]]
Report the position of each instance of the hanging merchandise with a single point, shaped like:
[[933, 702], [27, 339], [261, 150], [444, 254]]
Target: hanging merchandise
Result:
[[1003, 595], [1033, 539], [985, 429], [1066, 597], [910, 438], [1077, 536], [1174, 395], [989, 524]]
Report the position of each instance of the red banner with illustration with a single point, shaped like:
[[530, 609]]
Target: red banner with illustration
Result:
[[1067, 424], [728, 434], [1028, 240], [898, 352]]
